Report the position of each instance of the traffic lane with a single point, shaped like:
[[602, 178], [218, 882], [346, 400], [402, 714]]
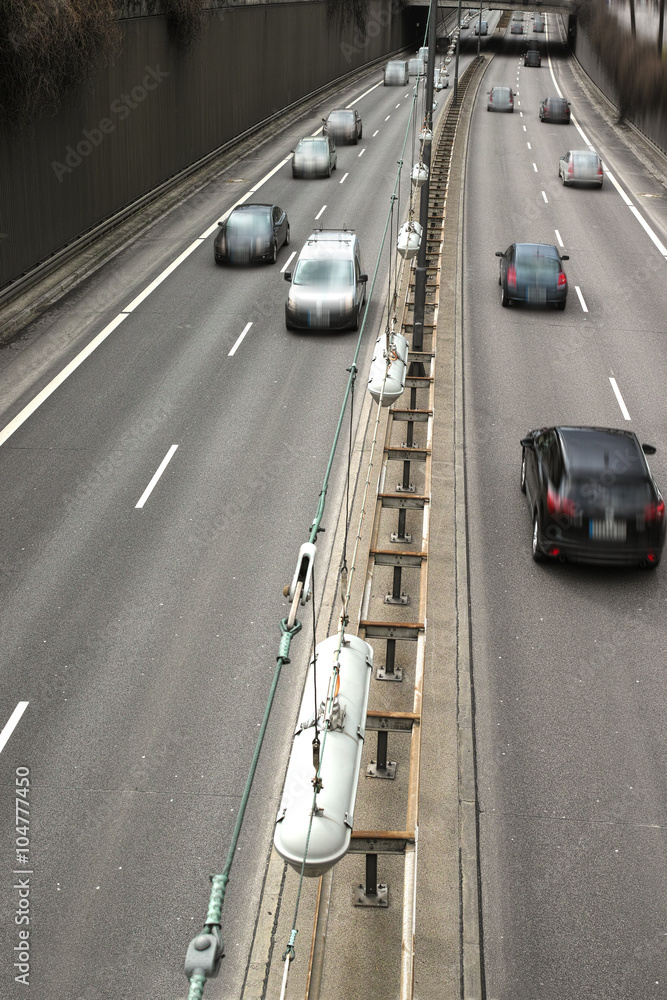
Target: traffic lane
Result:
[[133, 602], [520, 661]]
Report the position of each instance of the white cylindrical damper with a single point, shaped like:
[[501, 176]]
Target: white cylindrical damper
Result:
[[332, 821], [393, 387], [409, 238], [419, 174]]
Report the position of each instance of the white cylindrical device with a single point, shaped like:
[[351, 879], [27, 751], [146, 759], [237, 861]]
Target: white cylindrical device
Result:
[[333, 818], [392, 387], [409, 238]]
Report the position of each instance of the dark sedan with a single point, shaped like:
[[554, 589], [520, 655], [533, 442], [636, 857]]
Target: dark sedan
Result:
[[592, 497], [532, 58], [533, 273], [251, 233], [555, 109], [343, 125]]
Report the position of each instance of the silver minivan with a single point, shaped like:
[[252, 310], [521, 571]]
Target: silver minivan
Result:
[[327, 286], [396, 73]]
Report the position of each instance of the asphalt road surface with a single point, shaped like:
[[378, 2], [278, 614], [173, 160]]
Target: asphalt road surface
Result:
[[568, 660]]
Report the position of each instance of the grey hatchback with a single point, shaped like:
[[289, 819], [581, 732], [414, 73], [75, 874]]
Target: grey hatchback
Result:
[[555, 109], [314, 156], [500, 99], [580, 166], [343, 125], [532, 273]]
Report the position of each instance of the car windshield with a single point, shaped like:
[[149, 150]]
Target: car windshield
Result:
[[341, 117], [249, 223], [312, 146], [323, 273]]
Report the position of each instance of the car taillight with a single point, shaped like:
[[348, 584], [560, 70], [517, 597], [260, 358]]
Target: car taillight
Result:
[[600, 171], [562, 279], [511, 276], [654, 512], [557, 504], [570, 169]]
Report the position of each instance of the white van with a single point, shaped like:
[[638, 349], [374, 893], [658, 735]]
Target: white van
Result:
[[396, 73], [481, 27]]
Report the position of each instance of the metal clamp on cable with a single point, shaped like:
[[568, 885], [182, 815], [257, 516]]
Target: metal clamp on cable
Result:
[[204, 954]]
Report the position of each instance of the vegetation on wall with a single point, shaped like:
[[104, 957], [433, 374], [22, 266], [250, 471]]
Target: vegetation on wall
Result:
[[349, 10], [47, 47], [633, 65]]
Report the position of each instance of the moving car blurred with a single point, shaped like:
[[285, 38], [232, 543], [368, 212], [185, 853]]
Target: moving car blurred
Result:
[[327, 289], [517, 15], [532, 58], [517, 28], [416, 67], [251, 233], [591, 496], [314, 156], [396, 73], [343, 125], [555, 109], [500, 99], [580, 166], [481, 27], [538, 22], [533, 273]]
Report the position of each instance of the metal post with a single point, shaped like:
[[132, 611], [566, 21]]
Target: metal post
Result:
[[400, 535], [456, 65], [382, 748], [479, 29], [371, 874], [420, 269], [661, 24], [389, 671]]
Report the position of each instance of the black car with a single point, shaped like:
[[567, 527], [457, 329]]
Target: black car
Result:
[[532, 58], [343, 125], [251, 233], [555, 109], [533, 273], [591, 496]]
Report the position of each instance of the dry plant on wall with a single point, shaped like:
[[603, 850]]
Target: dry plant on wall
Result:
[[46, 47], [637, 72], [184, 19], [349, 10]]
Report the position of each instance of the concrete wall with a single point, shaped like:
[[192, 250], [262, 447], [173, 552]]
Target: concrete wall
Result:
[[653, 124], [156, 110]]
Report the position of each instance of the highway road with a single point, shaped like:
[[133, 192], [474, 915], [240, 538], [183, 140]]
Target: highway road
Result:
[[142, 630], [570, 700]]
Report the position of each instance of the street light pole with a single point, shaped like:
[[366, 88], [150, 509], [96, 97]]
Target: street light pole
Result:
[[420, 269]]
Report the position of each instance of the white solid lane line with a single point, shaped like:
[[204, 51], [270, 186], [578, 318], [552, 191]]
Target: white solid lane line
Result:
[[617, 393], [288, 261], [581, 298], [161, 277], [365, 93], [343, 178], [560, 242], [645, 226], [320, 211], [151, 486], [239, 340], [28, 410], [12, 723]]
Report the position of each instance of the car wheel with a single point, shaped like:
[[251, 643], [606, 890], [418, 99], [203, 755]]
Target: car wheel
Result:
[[335, 166], [288, 236], [503, 298], [561, 305], [274, 254], [361, 133], [329, 171], [523, 470], [538, 555]]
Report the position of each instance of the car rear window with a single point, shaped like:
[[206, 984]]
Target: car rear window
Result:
[[332, 273], [584, 160], [622, 497]]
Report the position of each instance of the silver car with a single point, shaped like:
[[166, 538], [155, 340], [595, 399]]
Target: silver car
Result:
[[314, 156], [416, 67], [396, 73], [327, 286], [580, 166]]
